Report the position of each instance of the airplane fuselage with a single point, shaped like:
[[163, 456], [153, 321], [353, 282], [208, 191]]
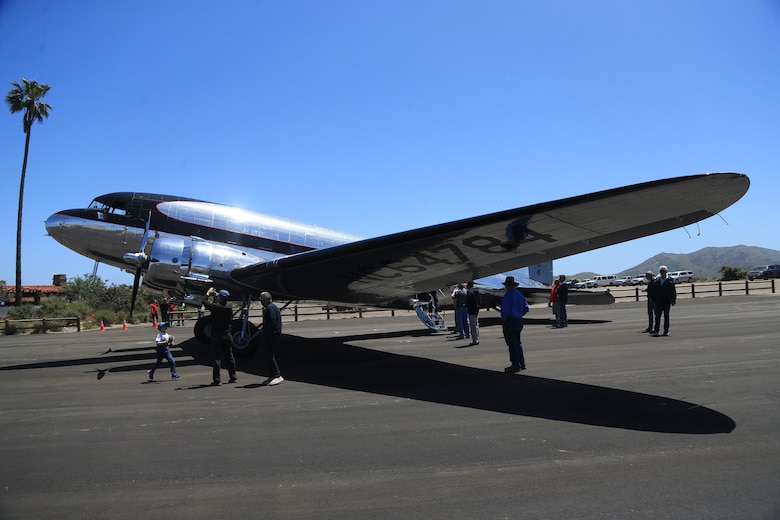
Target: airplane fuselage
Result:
[[190, 242]]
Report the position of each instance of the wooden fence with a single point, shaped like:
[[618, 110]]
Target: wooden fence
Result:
[[702, 289], [319, 310], [39, 324]]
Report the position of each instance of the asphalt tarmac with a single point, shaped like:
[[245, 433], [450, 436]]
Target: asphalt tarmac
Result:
[[381, 419]]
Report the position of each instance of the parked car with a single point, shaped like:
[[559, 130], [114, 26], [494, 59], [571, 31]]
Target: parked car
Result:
[[624, 280], [605, 279], [681, 276], [585, 284], [639, 280], [764, 271]]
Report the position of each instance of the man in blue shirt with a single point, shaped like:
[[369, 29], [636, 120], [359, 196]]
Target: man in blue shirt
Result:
[[513, 307]]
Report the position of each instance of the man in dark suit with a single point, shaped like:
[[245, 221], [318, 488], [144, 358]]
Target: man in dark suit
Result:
[[664, 295]]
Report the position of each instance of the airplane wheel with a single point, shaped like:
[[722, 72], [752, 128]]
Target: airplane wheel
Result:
[[202, 329], [243, 346]]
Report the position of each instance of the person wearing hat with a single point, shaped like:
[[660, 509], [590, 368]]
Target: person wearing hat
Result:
[[221, 318], [513, 307], [163, 344], [649, 277]]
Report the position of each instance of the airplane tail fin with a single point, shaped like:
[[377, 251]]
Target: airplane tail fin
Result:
[[542, 273]]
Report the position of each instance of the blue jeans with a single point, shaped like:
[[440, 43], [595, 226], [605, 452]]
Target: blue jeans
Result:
[[163, 352], [462, 321]]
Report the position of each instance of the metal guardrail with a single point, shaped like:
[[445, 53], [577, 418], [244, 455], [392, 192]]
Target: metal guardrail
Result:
[[703, 289]]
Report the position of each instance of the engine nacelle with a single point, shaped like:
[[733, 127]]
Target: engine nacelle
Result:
[[181, 266]]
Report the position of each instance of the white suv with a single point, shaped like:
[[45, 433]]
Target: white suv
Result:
[[681, 276], [605, 279]]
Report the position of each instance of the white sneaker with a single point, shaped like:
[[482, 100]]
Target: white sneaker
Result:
[[271, 381]]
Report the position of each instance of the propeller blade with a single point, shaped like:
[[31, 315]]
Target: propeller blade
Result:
[[136, 281]]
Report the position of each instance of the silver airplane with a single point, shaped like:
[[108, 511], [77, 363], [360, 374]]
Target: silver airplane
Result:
[[182, 246]]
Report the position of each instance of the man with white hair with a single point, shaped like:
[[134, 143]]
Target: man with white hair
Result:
[[272, 333]]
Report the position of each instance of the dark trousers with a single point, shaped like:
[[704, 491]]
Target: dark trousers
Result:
[[650, 314], [223, 350], [271, 346], [662, 308], [512, 329], [563, 317]]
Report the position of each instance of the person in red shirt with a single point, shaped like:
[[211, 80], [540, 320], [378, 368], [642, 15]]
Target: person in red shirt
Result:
[[554, 301]]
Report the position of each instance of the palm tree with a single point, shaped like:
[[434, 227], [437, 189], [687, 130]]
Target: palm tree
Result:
[[25, 97]]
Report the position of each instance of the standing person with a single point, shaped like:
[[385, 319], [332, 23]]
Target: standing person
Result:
[[272, 333], [472, 306], [554, 301], [221, 318], [461, 312], [153, 308], [163, 344], [563, 298], [649, 276], [664, 296], [513, 307], [165, 308]]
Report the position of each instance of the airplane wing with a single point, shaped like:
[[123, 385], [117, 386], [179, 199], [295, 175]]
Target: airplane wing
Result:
[[387, 270]]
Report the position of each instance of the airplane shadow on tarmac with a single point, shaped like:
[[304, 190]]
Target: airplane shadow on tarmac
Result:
[[334, 363]]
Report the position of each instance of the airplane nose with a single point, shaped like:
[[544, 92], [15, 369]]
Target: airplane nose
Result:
[[54, 225]]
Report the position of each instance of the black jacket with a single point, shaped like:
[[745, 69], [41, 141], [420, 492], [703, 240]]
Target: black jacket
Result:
[[663, 293]]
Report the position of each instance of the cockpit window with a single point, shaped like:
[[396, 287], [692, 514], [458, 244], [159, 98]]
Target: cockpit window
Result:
[[106, 208]]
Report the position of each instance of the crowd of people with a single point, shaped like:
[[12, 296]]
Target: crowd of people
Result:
[[660, 290]]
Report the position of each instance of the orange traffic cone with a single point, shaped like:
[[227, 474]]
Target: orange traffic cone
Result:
[[154, 323], [102, 328], [124, 324]]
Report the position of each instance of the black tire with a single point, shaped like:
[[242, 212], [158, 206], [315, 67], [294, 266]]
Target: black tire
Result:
[[202, 329], [243, 346]]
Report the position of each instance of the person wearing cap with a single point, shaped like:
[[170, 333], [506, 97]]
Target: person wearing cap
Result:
[[563, 298], [649, 276], [664, 295], [163, 344], [221, 318], [272, 333], [513, 307]]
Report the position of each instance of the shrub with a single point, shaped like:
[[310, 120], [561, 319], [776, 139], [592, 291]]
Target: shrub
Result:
[[729, 273]]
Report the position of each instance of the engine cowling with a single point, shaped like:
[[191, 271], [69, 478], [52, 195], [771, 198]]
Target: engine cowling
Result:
[[189, 265]]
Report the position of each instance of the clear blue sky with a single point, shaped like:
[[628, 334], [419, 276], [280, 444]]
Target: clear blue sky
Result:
[[381, 116]]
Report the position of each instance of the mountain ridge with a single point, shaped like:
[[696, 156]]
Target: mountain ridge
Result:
[[705, 263]]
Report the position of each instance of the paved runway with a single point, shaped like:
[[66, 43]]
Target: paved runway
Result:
[[380, 419]]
